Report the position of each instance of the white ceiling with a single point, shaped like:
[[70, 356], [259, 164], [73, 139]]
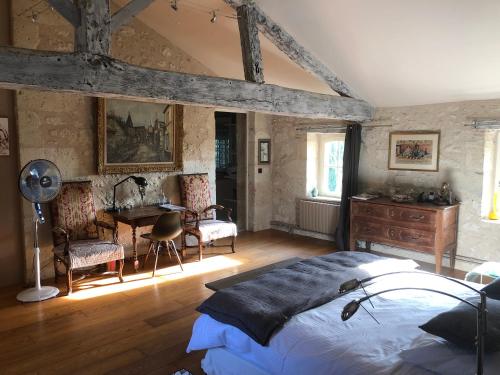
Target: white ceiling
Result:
[[391, 52]]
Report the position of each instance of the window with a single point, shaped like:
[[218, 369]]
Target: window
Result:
[[491, 175], [331, 179], [325, 154]]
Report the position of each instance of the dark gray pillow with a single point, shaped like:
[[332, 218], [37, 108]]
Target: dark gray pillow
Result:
[[458, 325], [492, 290]]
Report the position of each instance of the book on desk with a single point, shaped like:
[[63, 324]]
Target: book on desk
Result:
[[171, 207]]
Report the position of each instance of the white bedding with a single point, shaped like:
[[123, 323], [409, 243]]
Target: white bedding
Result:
[[318, 342]]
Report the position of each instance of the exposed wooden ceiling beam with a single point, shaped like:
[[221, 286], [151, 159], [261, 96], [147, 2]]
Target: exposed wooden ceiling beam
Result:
[[250, 44], [125, 14], [98, 75], [287, 44], [68, 10], [93, 34]]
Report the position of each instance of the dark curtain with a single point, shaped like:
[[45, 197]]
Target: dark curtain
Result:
[[349, 184]]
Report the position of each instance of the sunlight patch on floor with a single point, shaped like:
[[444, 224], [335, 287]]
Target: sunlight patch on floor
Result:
[[110, 285]]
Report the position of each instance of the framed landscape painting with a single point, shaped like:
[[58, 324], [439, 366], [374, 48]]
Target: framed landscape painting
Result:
[[416, 151], [135, 137]]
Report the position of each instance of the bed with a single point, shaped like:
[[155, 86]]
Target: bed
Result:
[[317, 341]]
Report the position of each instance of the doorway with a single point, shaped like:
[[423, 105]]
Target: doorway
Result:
[[230, 165]]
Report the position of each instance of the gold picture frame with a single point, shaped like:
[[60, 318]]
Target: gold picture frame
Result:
[[414, 151], [138, 137]]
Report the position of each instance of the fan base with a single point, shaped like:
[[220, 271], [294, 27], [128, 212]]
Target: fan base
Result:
[[35, 295]]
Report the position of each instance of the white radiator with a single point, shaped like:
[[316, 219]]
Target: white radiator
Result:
[[317, 216]]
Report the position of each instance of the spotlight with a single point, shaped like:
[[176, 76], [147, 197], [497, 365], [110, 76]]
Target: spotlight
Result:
[[214, 17]]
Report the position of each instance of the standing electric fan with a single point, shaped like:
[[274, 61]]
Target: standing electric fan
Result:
[[39, 182]]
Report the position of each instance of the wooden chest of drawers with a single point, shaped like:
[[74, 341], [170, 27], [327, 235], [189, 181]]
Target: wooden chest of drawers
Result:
[[414, 226]]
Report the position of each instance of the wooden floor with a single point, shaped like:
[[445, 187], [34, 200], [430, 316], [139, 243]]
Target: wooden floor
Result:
[[139, 327]]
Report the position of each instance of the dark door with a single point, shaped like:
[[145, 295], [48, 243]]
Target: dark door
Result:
[[230, 164]]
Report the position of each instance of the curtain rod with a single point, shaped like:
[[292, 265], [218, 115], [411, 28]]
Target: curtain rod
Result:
[[327, 127], [484, 124]]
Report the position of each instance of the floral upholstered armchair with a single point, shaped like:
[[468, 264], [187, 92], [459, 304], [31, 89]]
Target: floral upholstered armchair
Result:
[[200, 216], [75, 233]]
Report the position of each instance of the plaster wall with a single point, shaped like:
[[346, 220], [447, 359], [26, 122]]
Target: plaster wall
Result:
[[260, 194], [62, 127]]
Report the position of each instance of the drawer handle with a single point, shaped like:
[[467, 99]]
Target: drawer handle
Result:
[[417, 217], [369, 210], [415, 237], [367, 230]]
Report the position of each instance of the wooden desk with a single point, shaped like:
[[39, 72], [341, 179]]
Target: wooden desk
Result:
[[423, 227], [138, 217]]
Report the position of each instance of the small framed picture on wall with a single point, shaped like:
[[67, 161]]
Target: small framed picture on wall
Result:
[[4, 137], [414, 151], [264, 151]]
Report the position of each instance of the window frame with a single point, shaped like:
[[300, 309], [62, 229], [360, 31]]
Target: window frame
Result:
[[322, 167], [491, 174]]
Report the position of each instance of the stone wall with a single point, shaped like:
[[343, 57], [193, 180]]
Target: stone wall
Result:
[[260, 194], [461, 161], [62, 127], [289, 180]]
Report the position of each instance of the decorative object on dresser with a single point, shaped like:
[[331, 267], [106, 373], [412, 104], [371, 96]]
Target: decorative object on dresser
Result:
[[141, 183], [76, 232], [39, 182], [415, 150], [422, 227], [445, 197], [135, 137], [200, 218]]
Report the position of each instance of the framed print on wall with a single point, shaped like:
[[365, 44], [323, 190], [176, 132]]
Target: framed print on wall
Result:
[[4, 137], [414, 151], [264, 151], [138, 137]]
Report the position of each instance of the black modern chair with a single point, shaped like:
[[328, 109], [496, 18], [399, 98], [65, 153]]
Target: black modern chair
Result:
[[167, 227]]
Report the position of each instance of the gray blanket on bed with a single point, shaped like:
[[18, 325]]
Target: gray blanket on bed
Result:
[[261, 306]]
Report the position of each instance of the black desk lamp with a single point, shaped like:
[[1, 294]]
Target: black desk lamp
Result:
[[353, 306], [141, 183]]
